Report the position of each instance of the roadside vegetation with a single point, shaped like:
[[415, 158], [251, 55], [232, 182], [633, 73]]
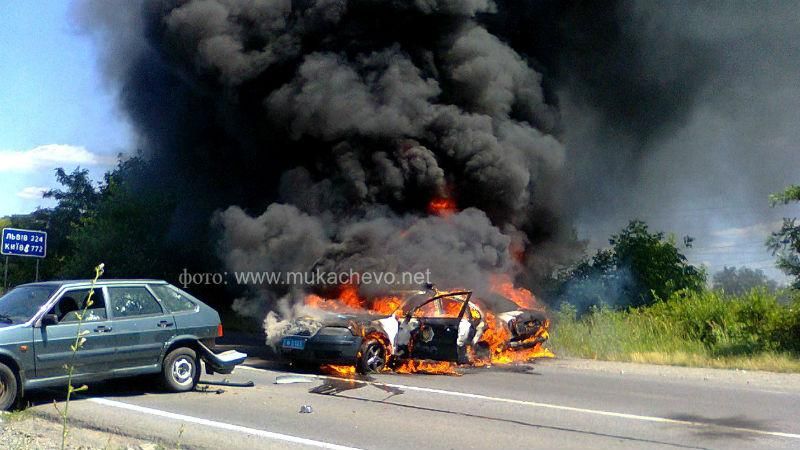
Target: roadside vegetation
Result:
[[753, 331], [640, 301]]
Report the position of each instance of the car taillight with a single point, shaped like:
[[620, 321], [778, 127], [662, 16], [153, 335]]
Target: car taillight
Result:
[[219, 330]]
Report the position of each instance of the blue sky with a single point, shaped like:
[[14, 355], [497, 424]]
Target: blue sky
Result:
[[54, 107]]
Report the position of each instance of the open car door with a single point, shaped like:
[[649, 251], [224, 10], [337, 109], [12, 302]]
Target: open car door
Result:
[[435, 334]]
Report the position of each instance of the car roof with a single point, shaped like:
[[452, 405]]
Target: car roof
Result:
[[103, 282]]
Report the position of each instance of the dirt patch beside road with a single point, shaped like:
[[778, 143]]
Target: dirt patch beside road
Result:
[[25, 430]]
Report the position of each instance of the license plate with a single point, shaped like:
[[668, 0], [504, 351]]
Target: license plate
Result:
[[293, 343]]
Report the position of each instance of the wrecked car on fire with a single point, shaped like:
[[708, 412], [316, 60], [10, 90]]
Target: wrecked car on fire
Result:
[[427, 326], [133, 327]]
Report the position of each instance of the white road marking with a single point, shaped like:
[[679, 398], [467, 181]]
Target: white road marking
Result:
[[553, 406], [220, 425]]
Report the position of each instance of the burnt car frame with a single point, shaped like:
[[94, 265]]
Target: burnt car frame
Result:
[[437, 327], [132, 327]]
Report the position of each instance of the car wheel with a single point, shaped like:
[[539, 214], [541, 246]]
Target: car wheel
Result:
[[8, 388], [373, 357], [181, 370]]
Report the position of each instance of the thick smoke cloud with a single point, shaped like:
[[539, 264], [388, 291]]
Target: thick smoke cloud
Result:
[[679, 113], [316, 132], [320, 131]]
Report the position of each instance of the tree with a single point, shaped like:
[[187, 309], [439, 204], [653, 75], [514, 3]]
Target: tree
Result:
[[785, 243], [639, 267], [126, 228], [739, 281], [78, 198]]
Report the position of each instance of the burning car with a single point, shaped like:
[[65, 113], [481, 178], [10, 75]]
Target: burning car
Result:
[[426, 327]]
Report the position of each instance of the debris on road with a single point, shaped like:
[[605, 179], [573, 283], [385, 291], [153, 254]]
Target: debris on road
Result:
[[306, 409], [208, 390], [335, 386], [227, 382], [291, 379]]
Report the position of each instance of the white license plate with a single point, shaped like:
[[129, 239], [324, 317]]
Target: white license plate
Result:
[[293, 343]]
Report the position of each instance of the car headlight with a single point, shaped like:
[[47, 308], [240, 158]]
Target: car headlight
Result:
[[334, 331]]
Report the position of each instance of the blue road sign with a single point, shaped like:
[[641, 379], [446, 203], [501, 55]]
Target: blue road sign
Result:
[[23, 243]]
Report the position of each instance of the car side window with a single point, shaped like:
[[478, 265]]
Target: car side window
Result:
[[172, 298], [132, 302], [69, 306], [443, 307]]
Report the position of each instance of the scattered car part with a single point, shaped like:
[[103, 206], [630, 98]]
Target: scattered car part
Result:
[[228, 383], [291, 379], [223, 363]]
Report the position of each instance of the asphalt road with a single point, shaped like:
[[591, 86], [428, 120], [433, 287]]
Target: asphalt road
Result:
[[548, 405]]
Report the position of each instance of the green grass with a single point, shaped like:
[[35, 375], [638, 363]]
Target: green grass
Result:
[[708, 329]]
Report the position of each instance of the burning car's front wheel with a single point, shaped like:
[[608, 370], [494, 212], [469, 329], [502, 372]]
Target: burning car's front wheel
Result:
[[373, 357]]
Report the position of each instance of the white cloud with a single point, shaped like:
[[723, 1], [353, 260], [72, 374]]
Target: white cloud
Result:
[[50, 156], [32, 192], [758, 230]]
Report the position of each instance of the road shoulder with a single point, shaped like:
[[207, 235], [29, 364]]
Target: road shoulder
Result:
[[784, 382]]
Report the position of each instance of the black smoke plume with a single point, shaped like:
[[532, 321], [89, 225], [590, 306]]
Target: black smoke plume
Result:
[[315, 133], [320, 131]]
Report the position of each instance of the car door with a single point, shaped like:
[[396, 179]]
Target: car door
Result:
[[52, 342], [436, 336], [141, 325]]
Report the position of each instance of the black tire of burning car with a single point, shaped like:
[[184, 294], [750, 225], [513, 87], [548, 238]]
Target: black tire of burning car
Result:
[[372, 357]]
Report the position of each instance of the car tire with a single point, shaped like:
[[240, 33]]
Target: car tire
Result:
[[9, 388], [181, 370], [372, 357]]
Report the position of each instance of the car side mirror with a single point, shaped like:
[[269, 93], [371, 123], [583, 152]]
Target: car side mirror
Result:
[[49, 319]]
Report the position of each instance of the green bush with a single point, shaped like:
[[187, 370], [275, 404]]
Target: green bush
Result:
[[703, 325]]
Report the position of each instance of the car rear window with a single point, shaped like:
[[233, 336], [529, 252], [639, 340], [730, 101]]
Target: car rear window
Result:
[[174, 299], [132, 301]]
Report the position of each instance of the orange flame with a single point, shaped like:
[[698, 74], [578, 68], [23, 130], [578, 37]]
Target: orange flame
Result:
[[348, 300], [425, 366], [502, 284], [497, 336], [442, 206], [339, 371]]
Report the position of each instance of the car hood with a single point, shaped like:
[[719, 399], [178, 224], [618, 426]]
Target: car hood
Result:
[[346, 319]]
